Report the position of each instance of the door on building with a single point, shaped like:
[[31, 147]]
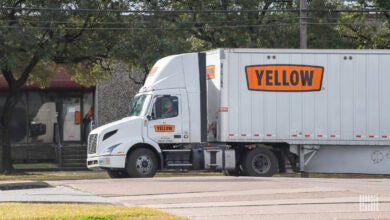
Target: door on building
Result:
[[71, 119]]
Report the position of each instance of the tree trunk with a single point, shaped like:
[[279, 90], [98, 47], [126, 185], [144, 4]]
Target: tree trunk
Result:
[[13, 95], [5, 117]]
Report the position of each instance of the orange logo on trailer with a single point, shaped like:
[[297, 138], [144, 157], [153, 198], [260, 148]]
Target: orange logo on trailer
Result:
[[164, 128], [210, 72], [284, 78]]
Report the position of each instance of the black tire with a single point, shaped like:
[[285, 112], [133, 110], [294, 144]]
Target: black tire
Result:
[[260, 162], [117, 174], [142, 163], [239, 171], [281, 160], [231, 172], [236, 172]]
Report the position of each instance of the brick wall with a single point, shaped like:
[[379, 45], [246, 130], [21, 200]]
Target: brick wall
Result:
[[113, 96]]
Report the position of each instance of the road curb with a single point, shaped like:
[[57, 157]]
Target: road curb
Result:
[[24, 185]]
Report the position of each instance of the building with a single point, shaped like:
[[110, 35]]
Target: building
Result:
[[114, 95], [51, 124]]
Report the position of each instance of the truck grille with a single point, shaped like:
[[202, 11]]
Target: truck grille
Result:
[[92, 141]]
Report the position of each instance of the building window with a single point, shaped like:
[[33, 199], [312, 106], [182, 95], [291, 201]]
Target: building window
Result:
[[42, 116]]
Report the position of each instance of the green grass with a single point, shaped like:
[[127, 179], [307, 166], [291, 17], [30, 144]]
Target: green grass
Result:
[[79, 211], [25, 166], [80, 175], [53, 175], [187, 173]]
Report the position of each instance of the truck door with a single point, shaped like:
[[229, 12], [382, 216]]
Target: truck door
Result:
[[165, 124]]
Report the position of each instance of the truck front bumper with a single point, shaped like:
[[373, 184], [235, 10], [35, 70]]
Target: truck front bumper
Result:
[[112, 161]]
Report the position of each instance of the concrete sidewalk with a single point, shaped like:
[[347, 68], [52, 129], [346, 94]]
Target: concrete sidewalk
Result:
[[57, 194], [237, 198], [220, 197]]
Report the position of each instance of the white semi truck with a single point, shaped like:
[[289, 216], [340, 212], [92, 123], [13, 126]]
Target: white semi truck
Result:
[[245, 110]]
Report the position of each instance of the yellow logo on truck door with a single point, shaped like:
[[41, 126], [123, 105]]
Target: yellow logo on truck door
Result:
[[164, 128], [284, 78]]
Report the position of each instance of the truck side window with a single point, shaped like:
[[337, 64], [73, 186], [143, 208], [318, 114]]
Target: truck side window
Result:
[[165, 107]]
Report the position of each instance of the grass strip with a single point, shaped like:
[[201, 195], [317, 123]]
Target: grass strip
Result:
[[81, 175], [79, 211], [57, 175]]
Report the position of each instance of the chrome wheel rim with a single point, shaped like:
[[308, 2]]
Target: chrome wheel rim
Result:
[[144, 164], [261, 164]]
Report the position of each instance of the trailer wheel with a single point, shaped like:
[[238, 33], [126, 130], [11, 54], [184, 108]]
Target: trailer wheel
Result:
[[260, 162], [142, 162], [117, 174]]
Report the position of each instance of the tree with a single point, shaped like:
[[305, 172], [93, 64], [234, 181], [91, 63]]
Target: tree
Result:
[[368, 30], [322, 33], [248, 23], [150, 36], [40, 37]]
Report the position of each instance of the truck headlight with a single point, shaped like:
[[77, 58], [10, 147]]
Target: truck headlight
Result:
[[109, 150]]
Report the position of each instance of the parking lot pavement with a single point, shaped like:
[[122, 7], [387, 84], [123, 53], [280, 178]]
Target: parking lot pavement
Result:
[[248, 197]]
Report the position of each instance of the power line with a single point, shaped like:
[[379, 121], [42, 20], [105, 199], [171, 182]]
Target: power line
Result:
[[166, 22], [142, 22], [173, 28], [296, 10]]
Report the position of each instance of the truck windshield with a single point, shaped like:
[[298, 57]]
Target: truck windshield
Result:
[[136, 105]]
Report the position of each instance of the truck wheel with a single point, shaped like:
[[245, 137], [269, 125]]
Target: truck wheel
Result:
[[260, 162], [142, 162], [231, 172], [117, 174], [236, 172]]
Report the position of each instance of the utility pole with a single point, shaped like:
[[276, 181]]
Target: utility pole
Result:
[[302, 23]]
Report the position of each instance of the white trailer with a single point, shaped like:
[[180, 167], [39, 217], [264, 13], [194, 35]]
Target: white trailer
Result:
[[325, 110]]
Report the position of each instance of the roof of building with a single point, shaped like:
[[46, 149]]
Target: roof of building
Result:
[[61, 81]]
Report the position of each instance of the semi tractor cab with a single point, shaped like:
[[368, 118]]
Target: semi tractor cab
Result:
[[246, 111]]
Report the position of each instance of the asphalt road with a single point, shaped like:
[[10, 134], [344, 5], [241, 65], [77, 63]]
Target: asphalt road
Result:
[[247, 197]]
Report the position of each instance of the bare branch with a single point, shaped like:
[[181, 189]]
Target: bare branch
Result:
[[80, 59], [359, 33], [70, 38], [8, 76], [34, 60], [264, 10], [26, 72]]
